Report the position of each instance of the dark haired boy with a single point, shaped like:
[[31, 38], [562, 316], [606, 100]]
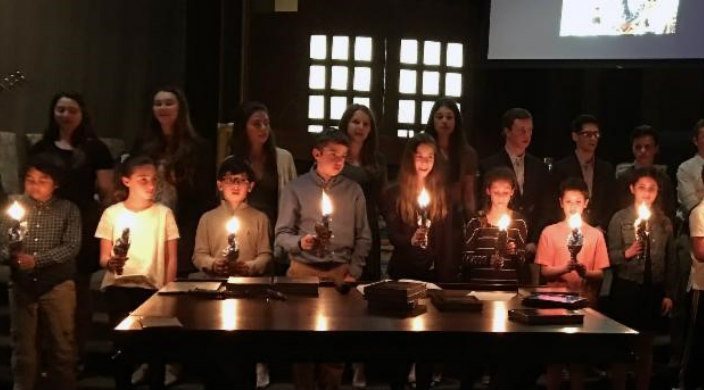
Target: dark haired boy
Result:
[[300, 209], [42, 282], [235, 181]]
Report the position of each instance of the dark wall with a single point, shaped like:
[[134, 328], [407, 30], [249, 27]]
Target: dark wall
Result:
[[666, 94], [113, 52]]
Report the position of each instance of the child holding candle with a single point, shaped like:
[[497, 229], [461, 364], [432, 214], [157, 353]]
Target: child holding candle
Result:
[[420, 171], [42, 278], [300, 210], [235, 181], [641, 295], [152, 256], [581, 272], [493, 253]]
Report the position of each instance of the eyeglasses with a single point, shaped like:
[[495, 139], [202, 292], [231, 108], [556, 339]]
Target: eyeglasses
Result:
[[235, 181], [590, 134]]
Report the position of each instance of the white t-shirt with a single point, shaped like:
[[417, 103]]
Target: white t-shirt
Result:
[[150, 229], [696, 229]]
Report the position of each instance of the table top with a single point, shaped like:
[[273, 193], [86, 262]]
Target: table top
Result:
[[338, 313]]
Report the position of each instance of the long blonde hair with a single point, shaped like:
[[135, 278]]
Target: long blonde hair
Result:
[[407, 202]]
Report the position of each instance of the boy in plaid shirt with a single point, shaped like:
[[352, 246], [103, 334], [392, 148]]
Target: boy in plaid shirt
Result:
[[42, 290]]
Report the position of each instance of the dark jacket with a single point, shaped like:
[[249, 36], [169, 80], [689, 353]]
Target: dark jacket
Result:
[[602, 201]]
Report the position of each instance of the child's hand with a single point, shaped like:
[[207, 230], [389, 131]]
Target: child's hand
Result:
[[511, 248], [117, 264], [666, 306], [307, 242], [580, 268], [239, 268], [25, 261], [634, 250], [220, 266], [419, 237]]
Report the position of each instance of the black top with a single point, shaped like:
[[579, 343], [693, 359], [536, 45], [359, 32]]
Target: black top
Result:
[[373, 184], [79, 187], [195, 195], [82, 163], [439, 262], [601, 203], [538, 195]]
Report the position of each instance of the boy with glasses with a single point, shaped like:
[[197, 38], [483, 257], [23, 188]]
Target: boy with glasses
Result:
[[234, 183], [596, 173]]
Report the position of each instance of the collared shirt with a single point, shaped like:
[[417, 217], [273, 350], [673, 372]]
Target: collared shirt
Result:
[[53, 237], [622, 234], [587, 167], [696, 229], [300, 209], [690, 188], [252, 237], [519, 166]]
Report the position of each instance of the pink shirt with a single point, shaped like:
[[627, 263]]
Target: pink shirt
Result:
[[552, 251]]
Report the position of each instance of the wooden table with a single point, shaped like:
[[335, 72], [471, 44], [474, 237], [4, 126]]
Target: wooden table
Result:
[[334, 327]]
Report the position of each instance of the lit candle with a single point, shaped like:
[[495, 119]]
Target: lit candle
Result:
[[423, 220], [18, 229], [643, 216], [232, 227], [323, 233], [504, 221], [642, 229], [575, 240], [125, 222], [326, 209]]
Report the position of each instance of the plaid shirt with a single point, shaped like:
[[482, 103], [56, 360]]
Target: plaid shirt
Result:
[[53, 237]]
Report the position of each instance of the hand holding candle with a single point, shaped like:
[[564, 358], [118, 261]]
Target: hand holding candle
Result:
[[18, 228], [642, 229], [232, 252], [575, 241], [323, 233], [423, 220], [122, 244], [497, 259]]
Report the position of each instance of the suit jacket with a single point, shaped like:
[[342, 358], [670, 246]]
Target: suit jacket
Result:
[[602, 202], [538, 191]]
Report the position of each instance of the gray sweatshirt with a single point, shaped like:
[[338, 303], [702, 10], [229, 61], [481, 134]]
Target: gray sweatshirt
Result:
[[300, 209]]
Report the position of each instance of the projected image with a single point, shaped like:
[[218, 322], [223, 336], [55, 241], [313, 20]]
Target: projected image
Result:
[[586, 18]]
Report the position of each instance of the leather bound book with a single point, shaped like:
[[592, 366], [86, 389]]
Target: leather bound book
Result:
[[455, 300], [394, 290], [546, 316], [555, 300]]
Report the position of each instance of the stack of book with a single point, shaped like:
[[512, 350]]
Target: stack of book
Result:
[[395, 296], [286, 285]]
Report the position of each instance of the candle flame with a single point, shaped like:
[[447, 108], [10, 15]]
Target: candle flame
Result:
[[575, 221], [16, 211], [643, 212], [423, 198], [233, 225], [326, 204], [504, 221], [125, 221]]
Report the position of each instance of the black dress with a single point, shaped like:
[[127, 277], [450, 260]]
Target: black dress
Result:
[[78, 186], [372, 184], [439, 262]]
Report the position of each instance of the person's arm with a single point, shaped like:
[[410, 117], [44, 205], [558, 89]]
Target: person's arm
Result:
[[362, 236], [70, 242], [171, 259], [617, 255], [259, 264], [698, 248], [468, 190], [105, 252], [671, 266], [104, 181], [287, 234], [686, 188], [398, 234], [201, 250], [544, 256]]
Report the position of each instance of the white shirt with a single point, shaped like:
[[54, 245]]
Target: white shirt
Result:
[[690, 188], [696, 229], [519, 167], [150, 229]]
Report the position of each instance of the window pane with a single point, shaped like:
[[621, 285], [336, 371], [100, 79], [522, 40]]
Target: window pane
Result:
[[407, 81], [318, 47], [454, 55], [409, 51], [316, 79], [363, 49], [411, 133], [340, 48], [361, 100], [406, 111], [339, 78], [337, 106], [316, 107], [315, 128], [402, 133], [362, 78], [431, 83], [425, 111], [431, 53], [453, 84]]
